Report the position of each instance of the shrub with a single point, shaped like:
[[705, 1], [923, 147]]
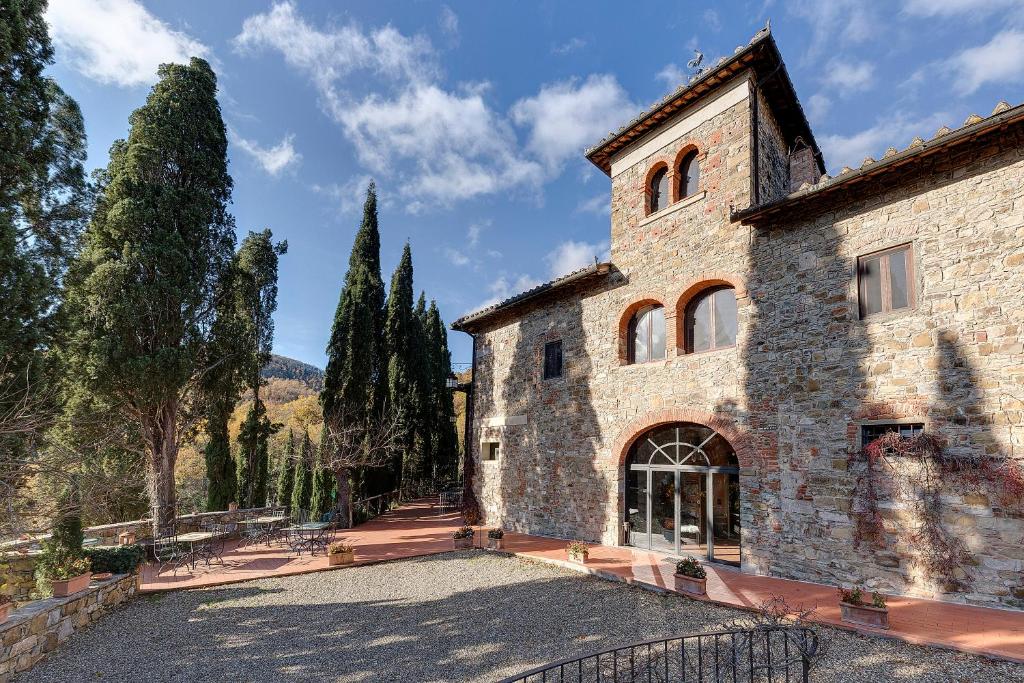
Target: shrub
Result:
[[577, 548], [690, 567], [58, 563], [851, 596], [340, 548], [122, 559], [464, 532], [878, 600], [495, 533]]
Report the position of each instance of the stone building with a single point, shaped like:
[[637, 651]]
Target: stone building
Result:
[[708, 390]]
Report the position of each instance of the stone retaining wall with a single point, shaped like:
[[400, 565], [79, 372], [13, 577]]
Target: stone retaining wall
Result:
[[38, 627]]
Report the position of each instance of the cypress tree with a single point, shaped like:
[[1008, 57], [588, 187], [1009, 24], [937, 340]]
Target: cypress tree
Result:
[[322, 499], [443, 456], [286, 474], [353, 384], [253, 461], [160, 241], [302, 487], [401, 332]]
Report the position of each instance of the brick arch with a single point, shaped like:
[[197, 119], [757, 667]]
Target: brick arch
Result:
[[701, 283], [638, 302], [635, 428], [676, 178], [647, 183]]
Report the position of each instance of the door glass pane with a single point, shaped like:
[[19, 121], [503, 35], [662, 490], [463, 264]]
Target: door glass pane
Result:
[[725, 504], [657, 317], [898, 279], [725, 317], [702, 325], [871, 285], [636, 509], [691, 512], [663, 511]]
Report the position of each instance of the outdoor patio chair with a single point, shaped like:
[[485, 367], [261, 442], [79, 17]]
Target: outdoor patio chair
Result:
[[214, 548], [251, 531], [169, 553]]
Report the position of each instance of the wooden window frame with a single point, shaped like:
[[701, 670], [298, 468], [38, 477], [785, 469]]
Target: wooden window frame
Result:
[[489, 448], [693, 156], [884, 427], [883, 261], [631, 338], [664, 199], [561, 359], [688, 320]]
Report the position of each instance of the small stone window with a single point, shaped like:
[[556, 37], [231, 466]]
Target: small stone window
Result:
[[658, 191], [647, 335], [553, 359], [885, 281], [490, 451], [869, 433], [711, 320], [689, 175]]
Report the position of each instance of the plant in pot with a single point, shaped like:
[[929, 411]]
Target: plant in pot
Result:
[[495, 539], [341, 553], [61, 571], [690, 577], [126, 537], [463, 537], [577, 551], [6, 601], [856, 611]]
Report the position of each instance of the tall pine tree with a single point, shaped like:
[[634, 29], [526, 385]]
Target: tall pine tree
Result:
[[353, 387], [160, 240], [302, 486], [444, 443], [401, 334], [286, 473]]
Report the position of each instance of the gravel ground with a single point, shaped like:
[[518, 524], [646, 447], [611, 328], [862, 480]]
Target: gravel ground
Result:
[[466, 616]]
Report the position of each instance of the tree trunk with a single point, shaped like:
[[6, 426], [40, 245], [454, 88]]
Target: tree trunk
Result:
[[344, 501], [161, 432]]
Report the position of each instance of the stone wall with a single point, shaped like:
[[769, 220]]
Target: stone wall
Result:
[[39, 627], [805, 374], [772, 155]]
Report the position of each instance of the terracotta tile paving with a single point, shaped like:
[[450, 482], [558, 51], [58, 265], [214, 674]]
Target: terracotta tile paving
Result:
[[416, 529]]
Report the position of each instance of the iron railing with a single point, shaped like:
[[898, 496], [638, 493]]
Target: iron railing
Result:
[[770, 654]]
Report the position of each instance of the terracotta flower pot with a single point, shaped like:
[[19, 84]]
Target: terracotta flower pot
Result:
[[62, 589], [232, 507], [578, 558], [103, 576], [126, 538], [463, 543], [495, 543], [865, 615], [337, 559], [688, 584], [5, 609]]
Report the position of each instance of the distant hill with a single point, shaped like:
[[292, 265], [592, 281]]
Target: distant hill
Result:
[[281, 367]]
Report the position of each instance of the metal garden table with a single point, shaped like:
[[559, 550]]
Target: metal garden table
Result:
[[266, 525], [192, 538], [309, 535]]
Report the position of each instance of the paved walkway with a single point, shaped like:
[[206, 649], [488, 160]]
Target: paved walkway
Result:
[[416, 530]]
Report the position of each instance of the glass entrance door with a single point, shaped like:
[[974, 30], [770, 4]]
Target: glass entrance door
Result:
[[664, 513], [692, 527]]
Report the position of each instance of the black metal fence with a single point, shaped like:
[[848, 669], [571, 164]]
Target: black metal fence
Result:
[[775, 654]]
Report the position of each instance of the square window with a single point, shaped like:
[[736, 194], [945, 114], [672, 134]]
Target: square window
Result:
[[553, 359], [490, 451], [869, 433], [885, 281]]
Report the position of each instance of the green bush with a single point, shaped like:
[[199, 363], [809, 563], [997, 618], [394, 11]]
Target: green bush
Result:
[[122, 559], [57, 563]]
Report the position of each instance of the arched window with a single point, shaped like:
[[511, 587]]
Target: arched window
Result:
[[689, 175], [647, 335], [658, 190], [711, 320]]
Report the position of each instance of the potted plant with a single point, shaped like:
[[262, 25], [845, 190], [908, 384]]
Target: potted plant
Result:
[[495, 539], [66, 573], [690, 577], [856, 611], [6, 605], [340, 554], [463, 537], [577, 551], [126, 537], [232, 506]]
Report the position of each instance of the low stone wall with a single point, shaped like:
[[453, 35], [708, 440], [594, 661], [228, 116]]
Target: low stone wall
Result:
[[38, 627]]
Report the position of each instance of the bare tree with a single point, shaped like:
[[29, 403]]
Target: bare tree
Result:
[[351, 442]]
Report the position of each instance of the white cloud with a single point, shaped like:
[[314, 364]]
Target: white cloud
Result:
[[997, 61], [474, 230], [505, 287], [712, 20], [351, 194], [564, 117], [948, 8], [850, 77], [570, 256], [818, 106], [449, 21], [896, 131], [456, 257], [672, 75], [836, 22], [571, 45], [274, 159], [599, 204], [117, 41]]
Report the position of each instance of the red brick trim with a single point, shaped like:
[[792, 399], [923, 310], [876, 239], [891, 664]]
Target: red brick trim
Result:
[[725, 426], [702, 282], [641, 300]]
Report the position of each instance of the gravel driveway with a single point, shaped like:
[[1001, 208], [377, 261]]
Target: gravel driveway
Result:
[[466, 616]]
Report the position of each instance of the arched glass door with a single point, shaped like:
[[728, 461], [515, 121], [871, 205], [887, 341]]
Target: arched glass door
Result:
[[682, 493]]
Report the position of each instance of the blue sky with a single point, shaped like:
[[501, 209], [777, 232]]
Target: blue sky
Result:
[[472, 116]]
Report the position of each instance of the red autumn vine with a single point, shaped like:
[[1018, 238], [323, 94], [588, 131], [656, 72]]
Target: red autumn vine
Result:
[[916, 471]]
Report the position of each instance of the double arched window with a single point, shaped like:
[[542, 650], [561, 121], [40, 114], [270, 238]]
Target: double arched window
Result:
[[647, 335], [658, 190], [688, 174], [711, 320]]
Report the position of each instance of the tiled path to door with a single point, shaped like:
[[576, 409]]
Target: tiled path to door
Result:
[[416, 529]]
